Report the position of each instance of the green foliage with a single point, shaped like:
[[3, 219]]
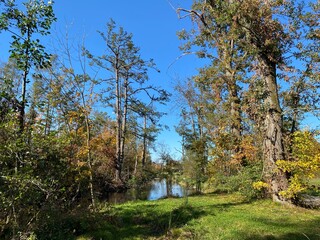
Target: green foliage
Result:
[[304, 165], [129, 94], [36, 19], [193, 170], [205, 217], [242, 181], [36, 178], [51, 154]]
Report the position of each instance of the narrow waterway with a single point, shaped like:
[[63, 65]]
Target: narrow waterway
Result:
[[156, 190], [159, 189]]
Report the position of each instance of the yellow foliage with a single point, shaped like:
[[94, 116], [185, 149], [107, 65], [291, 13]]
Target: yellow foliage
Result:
[[83, 151], [81, 164], [260, 185], [295, 186], [304, 165]]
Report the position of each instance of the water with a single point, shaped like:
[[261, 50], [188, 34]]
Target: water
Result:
[[156, 190], [159, 190]]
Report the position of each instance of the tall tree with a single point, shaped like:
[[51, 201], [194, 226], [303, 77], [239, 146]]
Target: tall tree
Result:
[[25, 24], [254, 30], [217, 39], [194, 132], [76, 72], [127, 83]]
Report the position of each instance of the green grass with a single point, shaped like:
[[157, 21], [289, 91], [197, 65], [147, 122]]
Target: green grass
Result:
[[204, 217], [315, 181]]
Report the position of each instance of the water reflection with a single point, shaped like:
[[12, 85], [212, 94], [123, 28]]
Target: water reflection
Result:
[[161, 189], [156, 190]]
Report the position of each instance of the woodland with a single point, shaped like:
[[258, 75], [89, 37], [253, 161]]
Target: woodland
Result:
[[241, 123]]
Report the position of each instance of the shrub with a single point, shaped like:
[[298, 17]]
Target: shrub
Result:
[[304, 165]]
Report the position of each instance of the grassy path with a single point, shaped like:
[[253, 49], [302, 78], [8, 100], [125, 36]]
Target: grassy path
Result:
[[204, 217]]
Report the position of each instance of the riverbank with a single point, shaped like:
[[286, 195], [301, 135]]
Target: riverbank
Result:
[[212, 216]]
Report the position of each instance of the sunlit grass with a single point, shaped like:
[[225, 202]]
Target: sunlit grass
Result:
[[315, 182], [205, 217]]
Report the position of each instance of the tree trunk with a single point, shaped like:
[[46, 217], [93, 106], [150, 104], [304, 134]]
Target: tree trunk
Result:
[[123, 129], [235, 114], [47, 120], [135, 166], [119, 132], [273, 139], [308, 201], [24, 86], [235, 111], [88, 145], [144, 146]]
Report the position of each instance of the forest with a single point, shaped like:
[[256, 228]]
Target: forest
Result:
[[76, 125]]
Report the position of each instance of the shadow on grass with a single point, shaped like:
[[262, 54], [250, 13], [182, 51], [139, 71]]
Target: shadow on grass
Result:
[[156, 219], [142, 221], [148, 221], [309, 230]]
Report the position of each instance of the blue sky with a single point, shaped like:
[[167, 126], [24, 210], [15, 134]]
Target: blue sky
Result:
[[154, 25]]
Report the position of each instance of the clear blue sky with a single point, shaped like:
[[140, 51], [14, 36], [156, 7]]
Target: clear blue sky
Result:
[[154, 25]]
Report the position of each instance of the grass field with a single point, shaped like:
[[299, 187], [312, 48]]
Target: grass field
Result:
[[203, 217]]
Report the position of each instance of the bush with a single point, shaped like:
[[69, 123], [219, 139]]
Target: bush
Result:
[[242, 182], [303, 166]]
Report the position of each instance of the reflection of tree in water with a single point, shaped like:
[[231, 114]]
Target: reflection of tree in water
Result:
[[165, 188], [169, 186], [156, 190]]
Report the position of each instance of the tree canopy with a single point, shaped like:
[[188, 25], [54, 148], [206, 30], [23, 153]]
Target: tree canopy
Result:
[[76, 125]]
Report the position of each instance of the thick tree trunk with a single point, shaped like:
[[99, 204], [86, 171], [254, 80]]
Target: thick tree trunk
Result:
[[235, 110], [273, 139], [235, 114]]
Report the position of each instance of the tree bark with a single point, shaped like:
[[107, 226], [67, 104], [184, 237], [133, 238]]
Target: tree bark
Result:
[[235, 113], [144, 145], [24, 85], [124, 112], [273, 139], [308, 201], [119, 126], [88, 145]]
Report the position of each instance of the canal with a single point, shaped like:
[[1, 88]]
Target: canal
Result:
[[156, 190]]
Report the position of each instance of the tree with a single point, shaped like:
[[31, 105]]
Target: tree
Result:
[[26, 50], [82, 86], [170, 168], [127, 83], [302, 96], [218, 40], [283, 40], [252, 29], [194, 133], [271, 40], [9, 79]]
